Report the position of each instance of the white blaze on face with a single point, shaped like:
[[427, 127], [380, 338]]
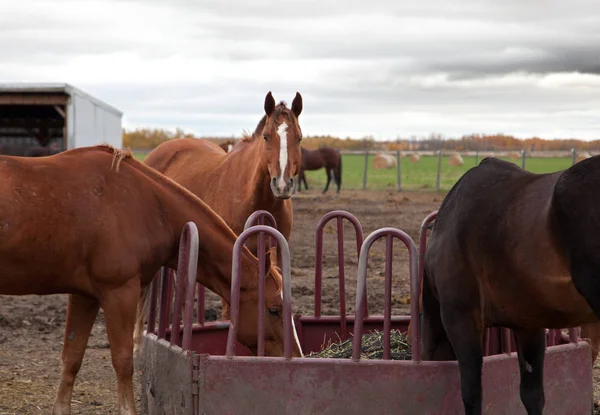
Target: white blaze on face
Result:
[[294, 331], [283, 153]]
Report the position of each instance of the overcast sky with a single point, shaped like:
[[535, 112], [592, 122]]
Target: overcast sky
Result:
[[380, 68]]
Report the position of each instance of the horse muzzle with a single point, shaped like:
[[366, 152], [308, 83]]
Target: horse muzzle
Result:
[[283, 189]]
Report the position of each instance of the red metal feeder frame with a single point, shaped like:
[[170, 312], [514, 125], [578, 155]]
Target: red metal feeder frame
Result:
[[206, 371]]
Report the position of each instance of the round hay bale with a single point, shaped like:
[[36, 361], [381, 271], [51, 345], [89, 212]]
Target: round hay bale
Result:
[[415, 158], [384, 161], [582, 156], [514, 155], [455, 160]]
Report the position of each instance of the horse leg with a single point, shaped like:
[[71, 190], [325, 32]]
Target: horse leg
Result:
[[338, 175], [531, 346], [81, 314], [464, 326], [119, 307], [328, 172], [299, 185], [436, 345]]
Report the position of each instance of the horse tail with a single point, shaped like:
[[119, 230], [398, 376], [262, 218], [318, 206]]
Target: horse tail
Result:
[[142, 310], [339, 170]]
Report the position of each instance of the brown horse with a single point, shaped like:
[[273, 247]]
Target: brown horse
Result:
[[258, 174], [326, 157], [513, 249], [97, 224]]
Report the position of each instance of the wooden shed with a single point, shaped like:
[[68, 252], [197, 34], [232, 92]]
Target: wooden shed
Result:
[[49, 118]]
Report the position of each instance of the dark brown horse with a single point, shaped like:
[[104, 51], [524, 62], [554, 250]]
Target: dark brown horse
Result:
[[326, 157], [97, 224], [258, 174], [513, 249]]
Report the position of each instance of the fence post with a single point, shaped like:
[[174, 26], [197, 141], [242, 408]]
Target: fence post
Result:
[[573, 156], [476, 157], [439, 170], [399, 171], [366, 168], [523, 159]]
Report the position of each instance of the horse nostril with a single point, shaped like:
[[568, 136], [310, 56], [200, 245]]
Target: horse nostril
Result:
[[274, 181], [291, 181]]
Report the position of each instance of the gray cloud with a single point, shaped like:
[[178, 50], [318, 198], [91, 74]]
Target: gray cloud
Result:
[[377, 67]]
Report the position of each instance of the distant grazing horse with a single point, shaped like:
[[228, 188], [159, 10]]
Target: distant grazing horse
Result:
[[326, 157], [257, 174], [514, 249], [49, 244]]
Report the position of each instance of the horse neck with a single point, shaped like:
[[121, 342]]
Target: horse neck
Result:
[[254, 173], [216, 239]]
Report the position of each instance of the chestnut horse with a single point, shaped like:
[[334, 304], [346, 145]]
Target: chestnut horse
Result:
[[258, 173], [95, 223], [513, 249], [326, 157]]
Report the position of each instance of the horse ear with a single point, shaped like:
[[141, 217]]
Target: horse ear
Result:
[[269, 104], [297, 105]]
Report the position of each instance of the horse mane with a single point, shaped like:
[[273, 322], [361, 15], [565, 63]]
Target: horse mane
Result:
[[281, 108], [276, 273], [118, 155]]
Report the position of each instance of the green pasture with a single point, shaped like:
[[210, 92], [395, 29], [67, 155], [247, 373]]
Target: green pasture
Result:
[[418, 176], [415, 176]]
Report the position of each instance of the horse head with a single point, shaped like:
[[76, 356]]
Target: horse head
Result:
[[273, 315], [282, 135]]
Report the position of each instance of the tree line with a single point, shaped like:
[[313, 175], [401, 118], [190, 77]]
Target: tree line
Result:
[[149, 138]]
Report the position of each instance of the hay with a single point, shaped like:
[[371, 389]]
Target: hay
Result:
[[455, 160], [372, 347], [582, 156], [415, 158], [384, 161], [514, 155]]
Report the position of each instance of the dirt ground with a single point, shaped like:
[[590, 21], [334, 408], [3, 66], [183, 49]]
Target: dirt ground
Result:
[[31, 327]]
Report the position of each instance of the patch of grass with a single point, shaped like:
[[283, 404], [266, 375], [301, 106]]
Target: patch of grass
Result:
[[417, 176], [414, 176], [140, 156], [372, 347]]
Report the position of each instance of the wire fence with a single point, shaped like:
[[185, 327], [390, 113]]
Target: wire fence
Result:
[[431, 170]]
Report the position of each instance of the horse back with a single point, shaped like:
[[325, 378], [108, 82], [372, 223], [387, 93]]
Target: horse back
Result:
[[576, 207], [75, 202], [494, 238]]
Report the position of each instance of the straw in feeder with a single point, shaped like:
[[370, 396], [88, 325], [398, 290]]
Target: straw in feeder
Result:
[[372, 347]]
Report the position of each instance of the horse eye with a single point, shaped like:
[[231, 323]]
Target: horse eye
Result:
[[274, 312], [265, 136]]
